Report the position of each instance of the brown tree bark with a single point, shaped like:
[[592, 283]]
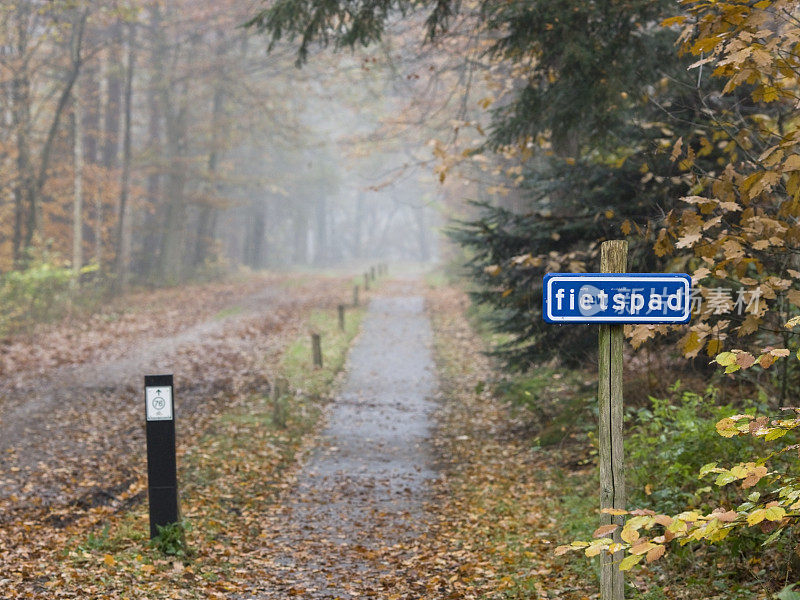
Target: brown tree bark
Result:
[[123, 233]]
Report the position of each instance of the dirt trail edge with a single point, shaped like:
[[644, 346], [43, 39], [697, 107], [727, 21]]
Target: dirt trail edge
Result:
[[77, 434], [358, 503]]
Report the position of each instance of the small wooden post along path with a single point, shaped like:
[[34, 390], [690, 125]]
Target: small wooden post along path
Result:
[[613, 259], [610, 299], [316, 350]]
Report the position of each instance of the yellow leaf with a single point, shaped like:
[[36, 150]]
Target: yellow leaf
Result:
[[775, 513], [768, 93], [109, 560], [792, 163], [774, 434], [755, 517], [592, 551], [614, 511], [725, 359], [692, 343], [663, 244], [629, 535], [678, 20], [625, 228], [726, 427], [642, 547], [706, 44], [630, 561], [561, 550]]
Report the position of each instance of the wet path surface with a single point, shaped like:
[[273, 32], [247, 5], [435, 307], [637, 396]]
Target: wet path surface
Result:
[[358, 503]]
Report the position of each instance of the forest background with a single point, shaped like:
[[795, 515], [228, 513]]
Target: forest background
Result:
[[149, 143]]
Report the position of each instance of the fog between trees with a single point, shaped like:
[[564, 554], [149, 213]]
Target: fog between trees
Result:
[[159, 141]]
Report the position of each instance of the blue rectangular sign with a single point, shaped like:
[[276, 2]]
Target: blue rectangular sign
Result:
[[617, 298]]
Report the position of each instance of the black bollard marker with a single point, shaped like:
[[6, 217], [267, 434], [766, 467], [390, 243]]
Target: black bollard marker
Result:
[[162, 477]]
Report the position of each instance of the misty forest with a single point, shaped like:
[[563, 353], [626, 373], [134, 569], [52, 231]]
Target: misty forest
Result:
[[400, 299]]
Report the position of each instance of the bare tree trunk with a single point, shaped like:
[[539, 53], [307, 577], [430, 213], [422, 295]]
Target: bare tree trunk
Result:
[[207, 220], [113, 99], [91, 111], [78, 162], [174, 226], [358, 242], [321, 230], [151, 240], [300, 224], [31, 180], [422, 234], [123, 235], [255, 228], [21, 116]]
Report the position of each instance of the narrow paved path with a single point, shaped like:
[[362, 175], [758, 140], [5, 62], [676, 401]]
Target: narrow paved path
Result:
[[357, 506]]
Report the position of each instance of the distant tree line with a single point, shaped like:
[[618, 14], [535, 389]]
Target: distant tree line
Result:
[[154, 141]]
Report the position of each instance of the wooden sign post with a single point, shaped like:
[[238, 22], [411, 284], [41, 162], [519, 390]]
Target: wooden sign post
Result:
[[610, 299], [613, 259]]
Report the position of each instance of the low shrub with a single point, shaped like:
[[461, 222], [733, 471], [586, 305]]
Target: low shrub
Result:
[[40, 293], [671, 440]]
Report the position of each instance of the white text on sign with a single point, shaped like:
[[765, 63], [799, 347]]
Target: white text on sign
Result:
[[617, 298]]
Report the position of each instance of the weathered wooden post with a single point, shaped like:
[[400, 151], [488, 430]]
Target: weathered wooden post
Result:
[[341, 316], [372, 273], [316, 349], [355, 295], [613, 259], [366, 282], [279, 391], [610, 299]]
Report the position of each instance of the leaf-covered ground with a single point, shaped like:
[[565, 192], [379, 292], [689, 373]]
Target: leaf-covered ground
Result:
[[484, 524], [72, 472], [498, 504]]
